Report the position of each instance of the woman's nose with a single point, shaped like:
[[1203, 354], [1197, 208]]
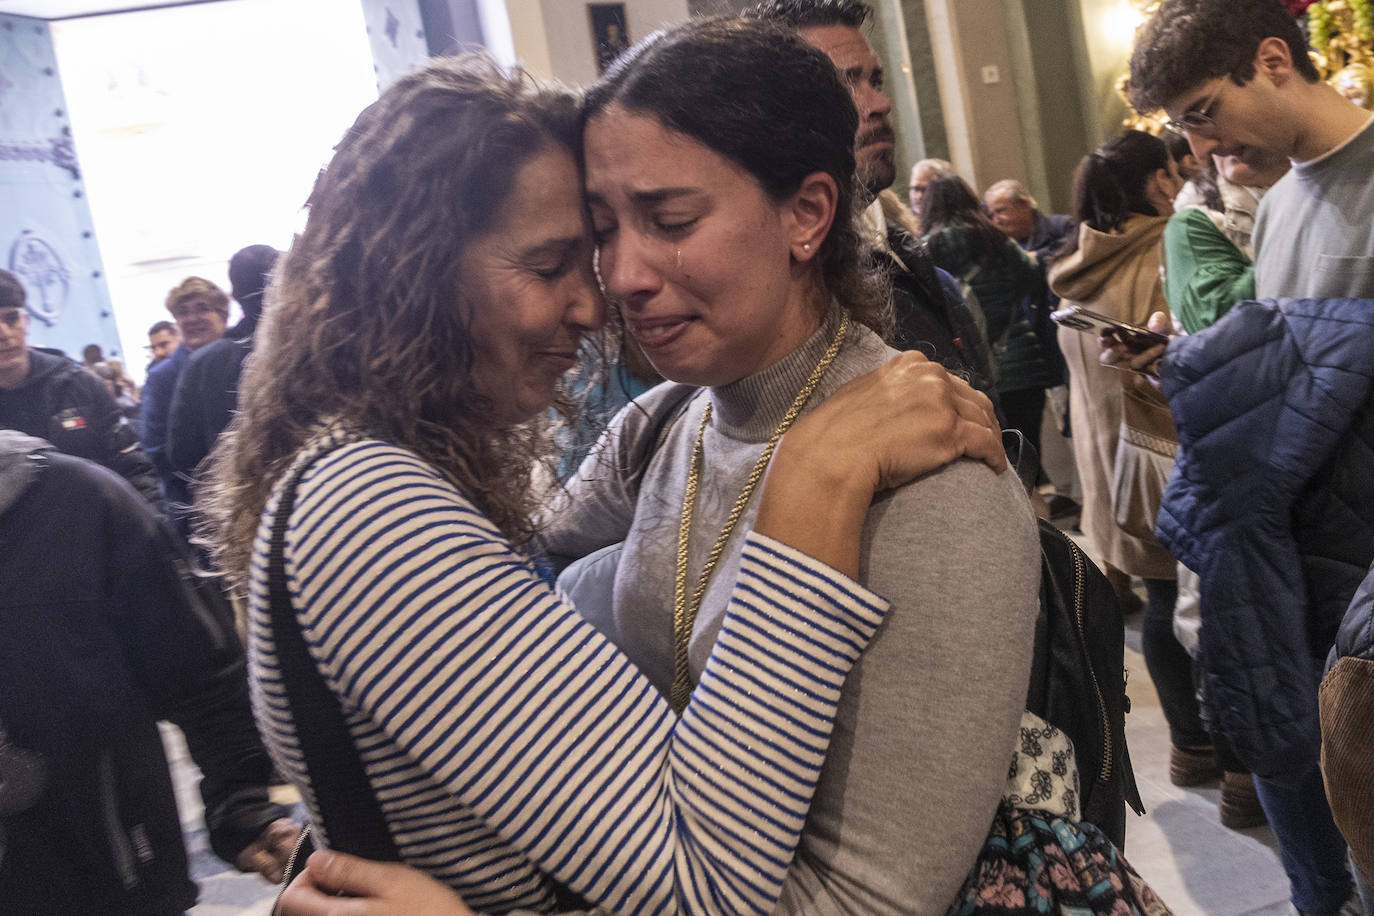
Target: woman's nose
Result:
[[630, 268]]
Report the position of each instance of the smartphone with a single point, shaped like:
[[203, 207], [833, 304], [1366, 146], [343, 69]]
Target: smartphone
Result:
[[1089, 322]]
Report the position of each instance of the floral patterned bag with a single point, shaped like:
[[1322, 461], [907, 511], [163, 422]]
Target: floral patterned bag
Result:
[[1038, 857]]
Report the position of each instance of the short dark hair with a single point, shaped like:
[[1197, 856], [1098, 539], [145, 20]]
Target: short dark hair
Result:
[[161, 326], [760, 96], [12, 295], [1187, 42], [803, 14], [250, 269], [1109, 184]]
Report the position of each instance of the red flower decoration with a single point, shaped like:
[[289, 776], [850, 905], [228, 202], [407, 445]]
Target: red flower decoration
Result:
[[1298, 7]]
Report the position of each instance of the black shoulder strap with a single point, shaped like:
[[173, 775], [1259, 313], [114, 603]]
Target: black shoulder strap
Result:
[[343, 796]]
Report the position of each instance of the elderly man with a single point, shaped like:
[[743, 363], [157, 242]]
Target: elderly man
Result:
[[922, 174], [1235, 77], [931, 316], [201, 311], [1015, 212], [55, 399]]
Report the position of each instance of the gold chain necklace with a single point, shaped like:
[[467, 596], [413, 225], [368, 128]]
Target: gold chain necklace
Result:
[[685, 613]]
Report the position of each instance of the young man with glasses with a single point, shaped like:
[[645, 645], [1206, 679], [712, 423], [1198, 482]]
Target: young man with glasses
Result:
[[1235, 78], [55, 399], [1282, 542]]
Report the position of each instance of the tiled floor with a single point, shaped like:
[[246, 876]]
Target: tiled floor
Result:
[[1180, 847]]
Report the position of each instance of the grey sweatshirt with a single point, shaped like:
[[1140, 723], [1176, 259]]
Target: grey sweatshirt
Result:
[[1314, 235], [928, 716]]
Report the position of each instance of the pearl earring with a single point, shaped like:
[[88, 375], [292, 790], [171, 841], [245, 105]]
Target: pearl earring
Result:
[[806, 246]]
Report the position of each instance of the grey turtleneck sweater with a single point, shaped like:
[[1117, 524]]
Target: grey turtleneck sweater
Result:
[[928, 716]]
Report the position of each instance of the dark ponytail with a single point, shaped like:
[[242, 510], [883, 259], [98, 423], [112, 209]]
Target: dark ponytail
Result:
[[1109, 184]]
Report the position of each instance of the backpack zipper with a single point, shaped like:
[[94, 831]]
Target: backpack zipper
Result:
[[289, 874], [1078, 587]]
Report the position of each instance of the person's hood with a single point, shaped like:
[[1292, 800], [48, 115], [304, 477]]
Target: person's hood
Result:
[[1081, 276], [41, 366], [17, 467]]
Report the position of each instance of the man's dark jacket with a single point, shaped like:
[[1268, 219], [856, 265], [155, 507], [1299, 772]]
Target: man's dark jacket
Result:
[[1270, 503], [104, 634], [206, 396], [931, 320], [1048, 232], [72, 409]]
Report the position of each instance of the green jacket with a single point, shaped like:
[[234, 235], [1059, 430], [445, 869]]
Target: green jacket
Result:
[[1204, 273], [1010, 288]]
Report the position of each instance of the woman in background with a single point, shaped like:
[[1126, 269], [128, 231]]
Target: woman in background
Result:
[[1123, 197], [1009, 285], [1208, 255]]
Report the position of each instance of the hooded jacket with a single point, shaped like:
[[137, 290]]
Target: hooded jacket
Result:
[[1270, 504], [71, 408], [104, 635], [1114, 274]]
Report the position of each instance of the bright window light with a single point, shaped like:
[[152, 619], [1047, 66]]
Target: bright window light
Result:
[[200, 130]]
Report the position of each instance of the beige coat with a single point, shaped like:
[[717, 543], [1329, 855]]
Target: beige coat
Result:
[[1115, 274]]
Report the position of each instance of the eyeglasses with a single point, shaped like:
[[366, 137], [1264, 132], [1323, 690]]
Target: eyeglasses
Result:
[[12, 317], [192, 307], [1198, 117]]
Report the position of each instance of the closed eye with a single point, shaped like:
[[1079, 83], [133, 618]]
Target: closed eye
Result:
[[675, 226]]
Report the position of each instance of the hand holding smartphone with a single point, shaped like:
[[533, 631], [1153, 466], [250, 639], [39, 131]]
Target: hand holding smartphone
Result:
[[1132, 336], [1124, 345]]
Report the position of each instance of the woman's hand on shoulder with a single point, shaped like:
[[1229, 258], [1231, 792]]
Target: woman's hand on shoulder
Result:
[[902, 420], [879, 431], [336, 884]]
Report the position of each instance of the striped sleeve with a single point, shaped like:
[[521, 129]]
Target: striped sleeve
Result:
[[423, 618]]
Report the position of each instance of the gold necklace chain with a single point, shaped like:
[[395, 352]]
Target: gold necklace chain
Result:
[[685, 613]]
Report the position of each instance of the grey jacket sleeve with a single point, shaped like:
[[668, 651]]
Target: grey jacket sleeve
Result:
[[597, 505], [930, 714]]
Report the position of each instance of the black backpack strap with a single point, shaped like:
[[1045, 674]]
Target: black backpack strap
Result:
[[353, 818]]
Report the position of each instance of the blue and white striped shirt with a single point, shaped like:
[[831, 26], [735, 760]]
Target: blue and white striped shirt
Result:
[[509, 743]]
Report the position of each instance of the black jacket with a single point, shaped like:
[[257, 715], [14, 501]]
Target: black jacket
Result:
[[71, 408], [104, 634], [202, 406], [931, 320]]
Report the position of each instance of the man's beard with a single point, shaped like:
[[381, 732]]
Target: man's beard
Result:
[[877, 170]]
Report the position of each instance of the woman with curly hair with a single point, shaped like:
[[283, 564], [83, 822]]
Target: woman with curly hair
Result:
[[374, 498]]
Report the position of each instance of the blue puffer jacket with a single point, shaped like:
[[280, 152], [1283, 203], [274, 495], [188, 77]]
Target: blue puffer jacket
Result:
[[1270, 503]]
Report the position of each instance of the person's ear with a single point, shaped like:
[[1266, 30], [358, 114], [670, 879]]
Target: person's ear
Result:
[[811, 211], [1274, 60]]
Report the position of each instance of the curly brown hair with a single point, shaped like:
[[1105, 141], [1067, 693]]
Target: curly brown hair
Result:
[[361, 324], [1185, 43]]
